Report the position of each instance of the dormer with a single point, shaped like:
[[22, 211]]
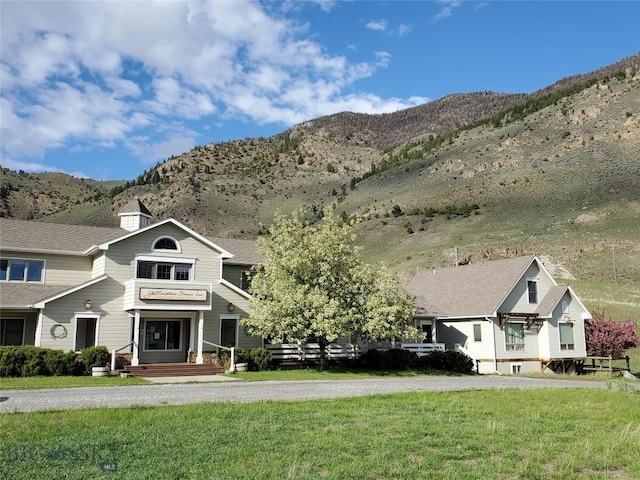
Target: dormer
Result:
[[134, 216]]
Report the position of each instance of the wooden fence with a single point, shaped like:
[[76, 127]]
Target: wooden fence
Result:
[[605, 364]]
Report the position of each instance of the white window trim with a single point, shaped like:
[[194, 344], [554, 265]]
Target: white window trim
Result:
[[566, 322], [83, 315], [44, 270], [230, 317], [178, 246], [143, 342], [24, 328], [474, 332], [535, 280], [515, 364], [166, 260], [524, 339]]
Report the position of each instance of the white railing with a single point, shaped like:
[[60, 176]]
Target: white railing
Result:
[[422, 349], [232, 365], [311, 351]]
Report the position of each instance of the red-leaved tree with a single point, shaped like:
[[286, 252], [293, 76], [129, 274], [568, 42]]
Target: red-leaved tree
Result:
[[606, 337]]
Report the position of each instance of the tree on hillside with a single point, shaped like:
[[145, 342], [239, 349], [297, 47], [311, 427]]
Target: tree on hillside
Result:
[[313, 287], [605, 336]]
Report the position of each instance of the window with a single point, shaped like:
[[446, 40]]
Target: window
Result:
[[566, 336], [516, 368], [565, 306], [163, 271], [427, 332], [20, 270], [245, 280], [165, 243], [477, 332], [11, 332], [532, 287], [162, 335], [514, 336]]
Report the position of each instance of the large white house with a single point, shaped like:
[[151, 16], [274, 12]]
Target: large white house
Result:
[[509, 315], [162, 289]]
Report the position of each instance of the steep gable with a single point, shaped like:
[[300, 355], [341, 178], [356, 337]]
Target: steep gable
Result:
[[469, 290]]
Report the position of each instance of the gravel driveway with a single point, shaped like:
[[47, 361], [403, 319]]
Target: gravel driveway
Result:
[[238, 391]]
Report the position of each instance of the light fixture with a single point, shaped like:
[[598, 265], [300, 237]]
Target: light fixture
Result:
[[88, 304], [231, 307]]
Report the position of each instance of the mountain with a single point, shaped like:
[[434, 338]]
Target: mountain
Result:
[[469, 176]]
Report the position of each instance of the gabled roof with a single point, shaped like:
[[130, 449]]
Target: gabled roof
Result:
[[467, 291], [133, 207], [59, 238], [25, 295], [245, 252], [32, 236], [551, 300]]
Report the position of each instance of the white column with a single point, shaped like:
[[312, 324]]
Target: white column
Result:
[[199, 358], [37, 341], [136, 339]]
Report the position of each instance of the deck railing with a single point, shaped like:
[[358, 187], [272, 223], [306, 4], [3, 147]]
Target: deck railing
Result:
[[422, 349], [334, 351], [311, 351]]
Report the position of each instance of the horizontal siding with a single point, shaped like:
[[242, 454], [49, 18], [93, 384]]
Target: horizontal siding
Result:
[[99, 264], [67, 270], [553, 331], [518, 298]]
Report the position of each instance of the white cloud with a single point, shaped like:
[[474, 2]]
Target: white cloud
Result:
[[102, 73], [405, 29], [447, 9], [380, 25]]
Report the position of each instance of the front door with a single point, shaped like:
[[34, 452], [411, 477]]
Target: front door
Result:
[[426, 327], [164, 340], [85, 333], [228, 332]]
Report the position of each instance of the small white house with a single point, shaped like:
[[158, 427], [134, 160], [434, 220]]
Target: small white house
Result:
[[509, 316]]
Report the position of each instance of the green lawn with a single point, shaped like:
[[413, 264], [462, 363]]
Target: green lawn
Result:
[[526, 434], [67, 382]]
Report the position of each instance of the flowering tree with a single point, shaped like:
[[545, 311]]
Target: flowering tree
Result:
[[606, 337], [313, 287]]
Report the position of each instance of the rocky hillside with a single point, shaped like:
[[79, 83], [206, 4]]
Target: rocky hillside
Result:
[[555, 172]]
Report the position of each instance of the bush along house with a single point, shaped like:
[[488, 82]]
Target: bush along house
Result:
[[158, 292], [509, 316]]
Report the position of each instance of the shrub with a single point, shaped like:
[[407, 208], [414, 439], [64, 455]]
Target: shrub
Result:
[[259, 359], [450, 361], [61, 363], [393, 359], [29, 361], [97, 356]]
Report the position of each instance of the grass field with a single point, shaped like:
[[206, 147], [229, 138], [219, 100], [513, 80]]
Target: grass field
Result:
[[67, 382], [532, 434]]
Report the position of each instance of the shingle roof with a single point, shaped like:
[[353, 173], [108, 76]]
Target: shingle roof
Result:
[[77, 239], [25, 234], [469, 290], [244, 252], [24, 295], [550, 300], [135, 206]]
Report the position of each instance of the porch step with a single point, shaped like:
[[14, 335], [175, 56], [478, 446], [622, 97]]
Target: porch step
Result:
[[172, 370]]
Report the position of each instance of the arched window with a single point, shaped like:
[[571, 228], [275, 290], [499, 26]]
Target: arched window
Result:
[[165, 243]]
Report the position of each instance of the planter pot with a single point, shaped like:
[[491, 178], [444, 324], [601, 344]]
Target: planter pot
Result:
[[242, 367], [100, 372], [125, 374]]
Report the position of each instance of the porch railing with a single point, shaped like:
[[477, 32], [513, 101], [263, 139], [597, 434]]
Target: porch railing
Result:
[[232, 366], [114, 356], [422, 349]]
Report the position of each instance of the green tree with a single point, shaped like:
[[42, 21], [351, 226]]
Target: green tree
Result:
[[313, 287]]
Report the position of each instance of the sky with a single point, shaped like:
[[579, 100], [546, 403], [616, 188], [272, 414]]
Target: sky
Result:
[[107, 89]]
